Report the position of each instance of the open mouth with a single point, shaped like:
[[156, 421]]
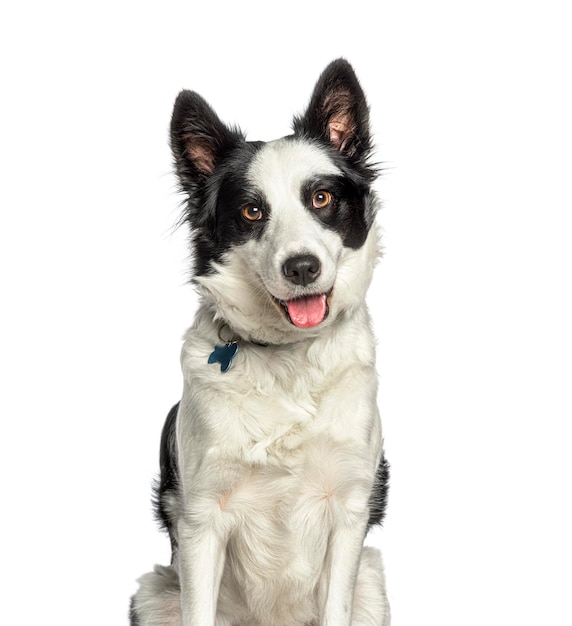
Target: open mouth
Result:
[[307, 311]]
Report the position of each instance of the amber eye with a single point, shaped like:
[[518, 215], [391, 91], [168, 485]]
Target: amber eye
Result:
[[321, 199], [252, 213]]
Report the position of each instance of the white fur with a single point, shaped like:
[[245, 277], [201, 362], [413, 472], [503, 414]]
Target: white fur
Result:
[[159, 598], [278, 455]]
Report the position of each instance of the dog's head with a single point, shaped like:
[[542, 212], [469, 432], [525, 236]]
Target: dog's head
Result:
[[283, 235]]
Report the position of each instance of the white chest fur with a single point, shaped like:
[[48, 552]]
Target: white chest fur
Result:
[[275, 399], [275, 453]]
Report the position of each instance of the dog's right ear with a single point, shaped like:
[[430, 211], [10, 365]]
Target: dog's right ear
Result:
[[199, 140]]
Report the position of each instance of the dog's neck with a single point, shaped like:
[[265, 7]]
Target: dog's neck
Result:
[[227, 335], [219, 332], [221, 344]]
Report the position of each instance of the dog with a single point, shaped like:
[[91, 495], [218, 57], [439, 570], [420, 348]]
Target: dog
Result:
[[272, 464]]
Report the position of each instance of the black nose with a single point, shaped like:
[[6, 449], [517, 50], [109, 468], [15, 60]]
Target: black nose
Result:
[[302, 270]]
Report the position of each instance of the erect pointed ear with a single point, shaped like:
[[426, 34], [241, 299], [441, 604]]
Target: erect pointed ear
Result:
[[338, 112], [199, 139]]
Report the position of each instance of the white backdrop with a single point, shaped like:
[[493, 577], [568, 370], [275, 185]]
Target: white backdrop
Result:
[[471, 107]]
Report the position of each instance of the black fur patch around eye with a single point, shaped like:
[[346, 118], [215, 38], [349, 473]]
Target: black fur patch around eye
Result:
[[220, 225], [351, 212]]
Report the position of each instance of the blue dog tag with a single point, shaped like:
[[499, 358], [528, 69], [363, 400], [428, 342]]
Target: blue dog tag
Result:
[[224, 355]]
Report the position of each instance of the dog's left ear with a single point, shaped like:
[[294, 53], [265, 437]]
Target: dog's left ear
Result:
[[338, 113]]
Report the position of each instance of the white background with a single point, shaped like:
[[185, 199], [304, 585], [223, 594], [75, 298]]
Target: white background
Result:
[[471, 107]]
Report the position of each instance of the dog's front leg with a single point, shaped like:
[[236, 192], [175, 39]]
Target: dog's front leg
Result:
[[344, 554], [202, 552]]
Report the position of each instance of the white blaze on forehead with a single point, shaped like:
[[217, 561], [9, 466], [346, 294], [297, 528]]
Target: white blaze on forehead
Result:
[[282, 167]]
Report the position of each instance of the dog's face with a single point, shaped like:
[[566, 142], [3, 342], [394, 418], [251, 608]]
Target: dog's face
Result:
[[281, 230]]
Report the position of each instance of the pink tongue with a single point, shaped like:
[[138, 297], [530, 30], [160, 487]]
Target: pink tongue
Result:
[[308, 311]]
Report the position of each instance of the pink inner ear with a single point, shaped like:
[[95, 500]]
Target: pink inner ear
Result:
[[339, 106], [338, 132], [200, 153]]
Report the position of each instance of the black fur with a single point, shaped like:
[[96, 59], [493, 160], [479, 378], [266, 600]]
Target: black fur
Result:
[[168, 482], [378, 498]]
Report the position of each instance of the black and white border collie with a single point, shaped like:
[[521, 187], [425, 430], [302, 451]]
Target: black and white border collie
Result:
[[272, 468]]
